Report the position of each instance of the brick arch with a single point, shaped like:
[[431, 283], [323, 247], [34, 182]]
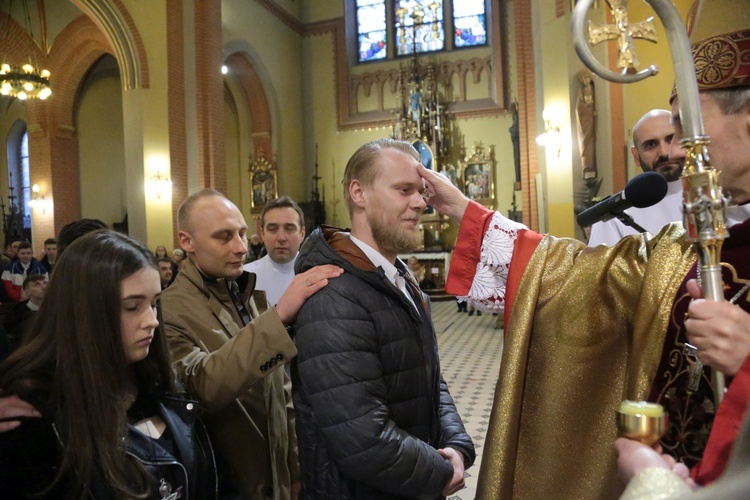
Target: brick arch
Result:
[[53, 147], [113, 19], [258, 105], [76, 50]]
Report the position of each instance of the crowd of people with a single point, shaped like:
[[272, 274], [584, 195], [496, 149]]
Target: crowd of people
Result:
[[148, 376]]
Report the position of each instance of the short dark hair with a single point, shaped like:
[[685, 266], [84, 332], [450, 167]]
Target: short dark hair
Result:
[[164, 259], [11, 240], [50, 241], [23, 245], [33, 278], [74, 230], [282, 202]]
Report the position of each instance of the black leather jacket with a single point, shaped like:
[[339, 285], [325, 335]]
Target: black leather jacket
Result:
[[30, 454]]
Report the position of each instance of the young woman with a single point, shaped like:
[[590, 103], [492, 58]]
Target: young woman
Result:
[[161, 252], [96, 367]]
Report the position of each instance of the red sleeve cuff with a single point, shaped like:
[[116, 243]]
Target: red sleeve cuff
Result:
[[468, 249], [725, 429]]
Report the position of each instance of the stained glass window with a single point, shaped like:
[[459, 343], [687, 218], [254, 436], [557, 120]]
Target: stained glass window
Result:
[[371, 30], [469, 24], [419, 25]]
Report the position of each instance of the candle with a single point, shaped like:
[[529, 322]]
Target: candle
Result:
[[641, 408]]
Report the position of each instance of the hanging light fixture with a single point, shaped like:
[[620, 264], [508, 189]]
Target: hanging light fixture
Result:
[[27, 81]]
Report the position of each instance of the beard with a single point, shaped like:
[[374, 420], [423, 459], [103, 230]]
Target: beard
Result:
[[393, 237], [671, 171]]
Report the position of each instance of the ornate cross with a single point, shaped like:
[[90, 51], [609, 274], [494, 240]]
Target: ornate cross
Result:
[[624, 33]]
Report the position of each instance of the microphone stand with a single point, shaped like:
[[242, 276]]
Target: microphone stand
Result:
[[628, 221]]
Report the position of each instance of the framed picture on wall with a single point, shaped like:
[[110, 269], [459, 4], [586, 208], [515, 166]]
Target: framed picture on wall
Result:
[[263, 182], [478, 176]]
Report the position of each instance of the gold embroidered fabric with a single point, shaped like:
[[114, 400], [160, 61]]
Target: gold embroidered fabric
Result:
[[586, 331], [722, 61], [655, 483]]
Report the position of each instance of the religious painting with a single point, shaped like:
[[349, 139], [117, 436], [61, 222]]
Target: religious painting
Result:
[[478, 176], [263, 182], [450, 172]]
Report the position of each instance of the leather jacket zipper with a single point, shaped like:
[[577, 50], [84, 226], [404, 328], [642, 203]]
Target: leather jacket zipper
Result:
[[166, 462]]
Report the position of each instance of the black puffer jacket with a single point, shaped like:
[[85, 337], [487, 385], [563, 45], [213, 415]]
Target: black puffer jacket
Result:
[[372, 407]]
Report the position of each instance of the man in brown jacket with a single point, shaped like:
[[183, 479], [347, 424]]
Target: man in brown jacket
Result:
[[229, 345]]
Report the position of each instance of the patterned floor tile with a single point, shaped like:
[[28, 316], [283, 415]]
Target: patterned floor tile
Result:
[[470, 352]]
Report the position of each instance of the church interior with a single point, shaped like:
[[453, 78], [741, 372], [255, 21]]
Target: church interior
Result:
[[151, 101]]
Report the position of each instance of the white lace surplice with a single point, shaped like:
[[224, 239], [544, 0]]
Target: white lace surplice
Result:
[[487, 291]]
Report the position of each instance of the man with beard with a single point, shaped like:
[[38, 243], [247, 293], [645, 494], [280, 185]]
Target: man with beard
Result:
[[374, 415], [652, 138]]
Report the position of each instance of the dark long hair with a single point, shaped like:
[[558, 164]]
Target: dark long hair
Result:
[[74, 355]]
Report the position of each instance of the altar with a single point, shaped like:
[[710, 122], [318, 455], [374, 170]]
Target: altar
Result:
[[436, 265]]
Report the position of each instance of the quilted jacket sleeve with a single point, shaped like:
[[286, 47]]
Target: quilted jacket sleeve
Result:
[[453, 433]]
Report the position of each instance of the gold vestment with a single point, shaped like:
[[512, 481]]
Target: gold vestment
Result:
[[586, 331]]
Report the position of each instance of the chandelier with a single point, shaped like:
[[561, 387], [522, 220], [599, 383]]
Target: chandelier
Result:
[[24, 82]]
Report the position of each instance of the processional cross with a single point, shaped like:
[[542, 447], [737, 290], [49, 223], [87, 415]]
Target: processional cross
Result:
[[624, 33]]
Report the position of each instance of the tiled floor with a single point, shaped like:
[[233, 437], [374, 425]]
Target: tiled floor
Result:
[[470, 351]]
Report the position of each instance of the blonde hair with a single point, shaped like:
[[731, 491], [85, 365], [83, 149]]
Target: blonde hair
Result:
[[361, 165]]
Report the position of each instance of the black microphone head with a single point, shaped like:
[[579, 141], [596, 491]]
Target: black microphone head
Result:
[[646, 189]]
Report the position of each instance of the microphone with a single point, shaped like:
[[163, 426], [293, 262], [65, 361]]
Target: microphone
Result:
[[643, 190]]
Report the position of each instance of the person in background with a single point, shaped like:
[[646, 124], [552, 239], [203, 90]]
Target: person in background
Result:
[[255, 249], [10, 252], [160, 252], [14, 275], [418, 271], [74, 230], [178, 256], [18, 321], [50, 254], [652, 142], [112, 423], [229, 346], [283, 229], [165, 271]]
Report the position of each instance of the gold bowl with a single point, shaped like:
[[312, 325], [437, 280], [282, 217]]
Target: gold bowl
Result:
[[643, 428]]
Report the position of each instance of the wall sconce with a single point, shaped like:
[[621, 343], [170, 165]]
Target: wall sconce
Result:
[[552, 137], [38, 202], [158, 184]]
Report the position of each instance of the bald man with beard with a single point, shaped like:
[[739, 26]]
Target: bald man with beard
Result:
[[652, 137]]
